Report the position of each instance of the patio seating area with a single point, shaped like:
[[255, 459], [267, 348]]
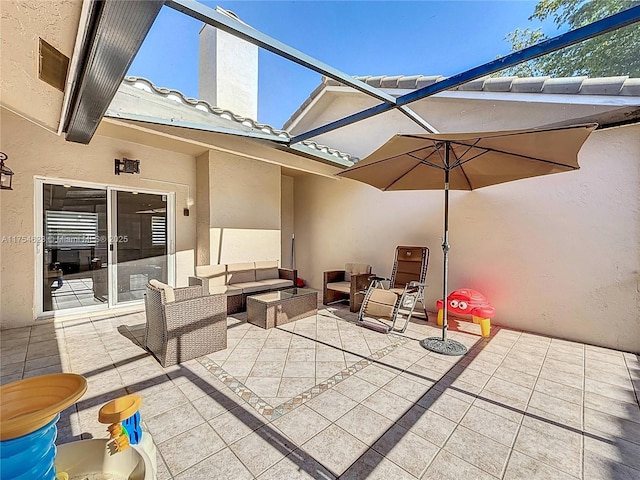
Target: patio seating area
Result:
[[322, 397]]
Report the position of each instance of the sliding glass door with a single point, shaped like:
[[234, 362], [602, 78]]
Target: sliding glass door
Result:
[[99, 245], [74, 267], [140, 245]]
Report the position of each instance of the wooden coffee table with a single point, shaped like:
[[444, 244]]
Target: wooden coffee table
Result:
[[272, 309]]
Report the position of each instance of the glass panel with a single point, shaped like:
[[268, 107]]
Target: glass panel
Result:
[[140, 242], [283, 294], [75, 247]]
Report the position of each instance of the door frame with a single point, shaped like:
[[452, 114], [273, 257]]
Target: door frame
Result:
[[38, 245], [112, 215]]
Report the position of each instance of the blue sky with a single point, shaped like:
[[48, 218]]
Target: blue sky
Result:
[[356, 37]]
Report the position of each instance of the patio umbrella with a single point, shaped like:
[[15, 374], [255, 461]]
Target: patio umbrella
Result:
[[466, 161]]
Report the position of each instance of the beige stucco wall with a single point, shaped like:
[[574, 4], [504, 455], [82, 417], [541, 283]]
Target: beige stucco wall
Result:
[[203, 217], [287, 222], [22, 24], [38, 152], [244, 198], [557, 255]]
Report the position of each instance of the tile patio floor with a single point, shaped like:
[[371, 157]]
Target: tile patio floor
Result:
[[323, 398]]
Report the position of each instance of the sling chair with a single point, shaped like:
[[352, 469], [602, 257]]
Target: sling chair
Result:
[[383, 306]]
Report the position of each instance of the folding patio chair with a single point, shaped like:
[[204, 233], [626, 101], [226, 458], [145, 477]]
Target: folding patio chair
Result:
[[383, 306]]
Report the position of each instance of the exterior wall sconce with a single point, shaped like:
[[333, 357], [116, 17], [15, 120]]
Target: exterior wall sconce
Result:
[[189, 202], [127, 166], [6, 174]]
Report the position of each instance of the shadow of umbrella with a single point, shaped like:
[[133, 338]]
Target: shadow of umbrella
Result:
[[467, 161]]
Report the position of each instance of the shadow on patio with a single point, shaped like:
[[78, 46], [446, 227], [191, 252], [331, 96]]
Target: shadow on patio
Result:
[[375, 406]]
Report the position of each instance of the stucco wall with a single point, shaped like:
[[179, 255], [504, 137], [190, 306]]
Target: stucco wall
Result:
[[203, 218], [287, 216], [557, 255], [244, 215], [21, 25], [228, 72], [37, 152]]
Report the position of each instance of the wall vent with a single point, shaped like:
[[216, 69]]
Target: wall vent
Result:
[[53, 66]]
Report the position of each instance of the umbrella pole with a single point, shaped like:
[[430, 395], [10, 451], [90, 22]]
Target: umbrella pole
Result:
[[435, 344], [445, 252]]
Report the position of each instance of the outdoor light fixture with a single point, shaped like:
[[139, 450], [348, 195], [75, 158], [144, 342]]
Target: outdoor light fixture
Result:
[[189, 203], [127, 166], [6, 174]]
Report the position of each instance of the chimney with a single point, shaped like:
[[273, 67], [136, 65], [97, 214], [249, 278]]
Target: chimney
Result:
[[228, 74]]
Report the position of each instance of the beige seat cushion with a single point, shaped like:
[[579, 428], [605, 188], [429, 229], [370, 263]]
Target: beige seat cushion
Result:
[[169, 295], [273, 283], [224, 290], [344, 287], [241, 273], [381, 303], [355, 269], [251, 287], [217, 274], [267, 270]]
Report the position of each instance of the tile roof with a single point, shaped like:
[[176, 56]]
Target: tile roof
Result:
[[611, 86], [222, 116], [622, 85]]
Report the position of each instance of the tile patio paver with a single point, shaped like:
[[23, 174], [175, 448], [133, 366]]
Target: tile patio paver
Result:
[[388, 404], [552, 408], [322, 397], [445, 404], [262, 449], [406, 449], [301, 424], [490, 425], [479, 450], [364, 424], [298, 465], [522, 467], [619, 451], [189, 448], [335, 448], [356, 388], [236, 424], [332, 404], [449, 467], [428, 425], [374, 466], [173, 422], [562, 451], [225, 465], [597, 465]]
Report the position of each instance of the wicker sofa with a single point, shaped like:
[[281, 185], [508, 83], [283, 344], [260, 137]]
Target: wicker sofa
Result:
[[183, 323], [237, 281]]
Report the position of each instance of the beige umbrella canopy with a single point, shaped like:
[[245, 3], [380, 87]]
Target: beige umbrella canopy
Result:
[[466, 161]]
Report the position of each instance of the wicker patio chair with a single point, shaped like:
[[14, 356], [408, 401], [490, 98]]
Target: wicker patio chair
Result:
[[347, 284], [384, 304], [183, 323]]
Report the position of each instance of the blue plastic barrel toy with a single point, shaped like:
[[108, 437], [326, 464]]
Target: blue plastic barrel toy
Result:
[[30, 456], [29, 410]]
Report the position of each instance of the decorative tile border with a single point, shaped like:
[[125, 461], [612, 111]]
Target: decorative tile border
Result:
[[270, 412]]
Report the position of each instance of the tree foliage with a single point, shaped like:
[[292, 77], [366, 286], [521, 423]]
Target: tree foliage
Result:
[[615, 53]]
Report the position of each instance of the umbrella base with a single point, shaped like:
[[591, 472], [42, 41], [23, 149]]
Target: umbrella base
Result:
[[445, 347]]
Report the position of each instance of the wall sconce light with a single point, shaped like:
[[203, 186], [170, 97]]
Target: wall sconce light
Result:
[[6, 174], [127, 166], [189, 203]]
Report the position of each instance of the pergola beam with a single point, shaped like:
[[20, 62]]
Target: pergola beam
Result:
[[218, 20], [600, 27], [223, 22]]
